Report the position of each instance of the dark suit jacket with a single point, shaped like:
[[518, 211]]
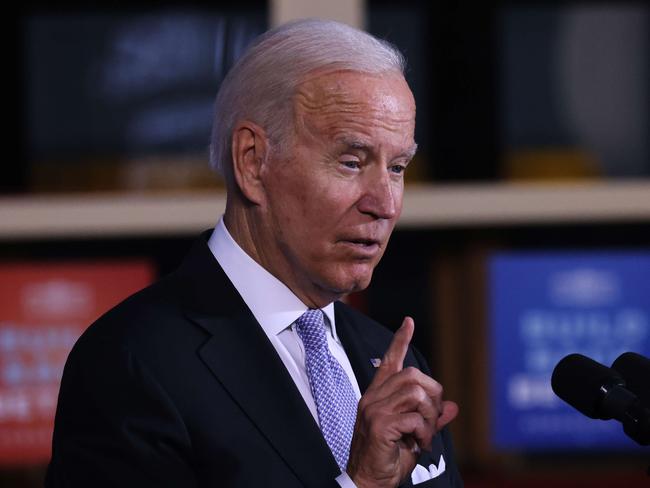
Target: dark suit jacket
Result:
[[178, 386]]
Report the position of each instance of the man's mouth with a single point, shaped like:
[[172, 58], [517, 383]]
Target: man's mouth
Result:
[[364, 242], [367, 247]]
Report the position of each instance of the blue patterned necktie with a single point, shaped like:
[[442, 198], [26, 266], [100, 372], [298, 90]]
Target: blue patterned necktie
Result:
[[335, 400]]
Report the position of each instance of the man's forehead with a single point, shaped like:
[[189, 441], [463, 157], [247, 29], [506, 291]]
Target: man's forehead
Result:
[[385, 91]]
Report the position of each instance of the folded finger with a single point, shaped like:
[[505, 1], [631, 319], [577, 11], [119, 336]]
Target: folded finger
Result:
[[407, 378], [412, 398], [412, 425]]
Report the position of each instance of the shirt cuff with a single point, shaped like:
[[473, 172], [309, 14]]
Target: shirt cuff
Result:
[[345, 481]]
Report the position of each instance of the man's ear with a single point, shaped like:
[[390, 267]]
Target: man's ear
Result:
[[249, 151]]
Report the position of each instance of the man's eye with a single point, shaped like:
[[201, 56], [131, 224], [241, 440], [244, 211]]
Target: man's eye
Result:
[[398, 169], [350, 164]]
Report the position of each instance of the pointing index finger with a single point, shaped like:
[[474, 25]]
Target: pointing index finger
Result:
[[393, 360]]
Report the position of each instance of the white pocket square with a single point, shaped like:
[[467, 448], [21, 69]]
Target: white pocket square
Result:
[[421, 474]]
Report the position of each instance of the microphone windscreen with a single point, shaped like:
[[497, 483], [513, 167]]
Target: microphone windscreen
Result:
[[635, 370], [578, 380]]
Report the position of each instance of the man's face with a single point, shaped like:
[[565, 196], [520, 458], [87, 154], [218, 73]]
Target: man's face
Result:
[[335, 192]]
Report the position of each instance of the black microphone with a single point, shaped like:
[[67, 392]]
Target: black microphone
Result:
[[635, 370], [600, 393]]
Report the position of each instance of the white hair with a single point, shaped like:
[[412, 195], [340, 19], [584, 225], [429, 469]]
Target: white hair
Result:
[[260, 86]]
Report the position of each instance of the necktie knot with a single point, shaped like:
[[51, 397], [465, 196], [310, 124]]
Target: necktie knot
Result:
[[311, 329]]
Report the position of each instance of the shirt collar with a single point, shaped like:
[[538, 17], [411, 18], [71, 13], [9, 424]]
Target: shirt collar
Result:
[[272, 303]]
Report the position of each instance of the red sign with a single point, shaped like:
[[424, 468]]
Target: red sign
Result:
[[44, 308]]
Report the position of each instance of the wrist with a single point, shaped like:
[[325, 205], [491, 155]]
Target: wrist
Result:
[[362, 480]]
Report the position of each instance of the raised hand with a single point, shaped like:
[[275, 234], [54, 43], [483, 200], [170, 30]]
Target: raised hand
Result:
[[398, 415]]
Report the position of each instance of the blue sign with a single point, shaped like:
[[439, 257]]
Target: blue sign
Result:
[[543, 307]]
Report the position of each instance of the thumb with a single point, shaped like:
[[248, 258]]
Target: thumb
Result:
[[448, 413]]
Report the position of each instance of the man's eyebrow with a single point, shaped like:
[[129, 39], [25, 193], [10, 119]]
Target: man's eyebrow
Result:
[[354, 144], [364, 146], [410, 152]]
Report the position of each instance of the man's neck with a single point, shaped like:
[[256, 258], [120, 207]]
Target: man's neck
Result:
[[250, 237]]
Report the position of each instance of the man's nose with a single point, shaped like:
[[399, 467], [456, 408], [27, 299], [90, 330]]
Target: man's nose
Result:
[[380, 195]]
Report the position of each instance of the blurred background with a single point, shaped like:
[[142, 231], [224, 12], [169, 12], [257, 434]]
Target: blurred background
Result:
[[525, 231]]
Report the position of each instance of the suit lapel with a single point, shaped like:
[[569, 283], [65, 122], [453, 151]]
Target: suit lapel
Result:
[[359, 349], [244, 362]]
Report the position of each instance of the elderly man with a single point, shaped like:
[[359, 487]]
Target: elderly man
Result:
[[242, 368]]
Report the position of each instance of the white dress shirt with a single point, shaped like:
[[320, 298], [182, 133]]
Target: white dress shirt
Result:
[[276, 309]]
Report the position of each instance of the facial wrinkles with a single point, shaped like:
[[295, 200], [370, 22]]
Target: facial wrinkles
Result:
[[328, 112], [322, 107], [375, 111], [342, 115]]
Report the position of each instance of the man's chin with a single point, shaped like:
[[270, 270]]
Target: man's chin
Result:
[[352, 283]]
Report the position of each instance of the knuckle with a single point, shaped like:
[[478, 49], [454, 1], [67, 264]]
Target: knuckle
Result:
[[410, 390], [411, 373], [417, 393]]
